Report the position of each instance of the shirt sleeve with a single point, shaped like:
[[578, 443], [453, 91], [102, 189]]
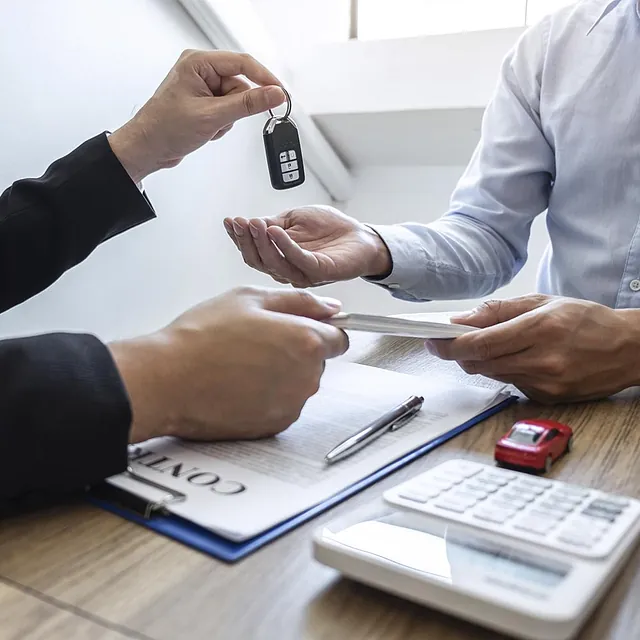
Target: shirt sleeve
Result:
[[64, 418], [481, 243], [50, 224]]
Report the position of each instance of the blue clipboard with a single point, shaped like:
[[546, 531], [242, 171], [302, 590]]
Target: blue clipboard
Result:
[[214, 545]]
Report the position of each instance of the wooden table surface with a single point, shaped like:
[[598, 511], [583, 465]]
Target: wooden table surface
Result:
[[78, 572]]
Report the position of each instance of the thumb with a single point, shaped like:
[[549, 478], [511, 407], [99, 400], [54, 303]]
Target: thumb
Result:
[[497, 311], [299, 303], [234, 106]]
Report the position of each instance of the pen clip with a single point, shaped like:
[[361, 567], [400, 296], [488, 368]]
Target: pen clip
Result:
[[400, 422]]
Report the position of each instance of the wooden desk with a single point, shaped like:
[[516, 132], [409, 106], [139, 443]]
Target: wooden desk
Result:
[[78, 572]]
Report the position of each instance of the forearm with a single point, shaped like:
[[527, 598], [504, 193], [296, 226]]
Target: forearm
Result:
[[64, 417], [456, 257], [50, 224]]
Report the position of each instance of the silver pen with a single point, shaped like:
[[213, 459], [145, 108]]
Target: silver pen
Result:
[[390, 421]]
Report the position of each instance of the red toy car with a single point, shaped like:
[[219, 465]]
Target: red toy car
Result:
[[535, 444]]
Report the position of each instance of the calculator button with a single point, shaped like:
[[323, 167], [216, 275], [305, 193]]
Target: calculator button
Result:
[[508, 506], [589, 524], [509, 498], [290, 177], [495, 479], [283, 156], [573, 531], [450, 505], [488, 485], [608, 507], [493, 515], [449, 478], [515, 494], [477, 493], [463, 467], [486, 488], [600, 515], [564, 498], [289, 166], [534, 525], [462, 497], [414, 496], [536, 482], [292, 155], [575, 539], [547, 515], [424, 490], [535, 489], [558, 507], [570, 490], [615, 500]]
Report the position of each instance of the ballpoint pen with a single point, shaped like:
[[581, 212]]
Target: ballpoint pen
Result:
[[390, 421]]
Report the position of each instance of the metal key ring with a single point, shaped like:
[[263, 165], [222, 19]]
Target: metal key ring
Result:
[[287, 113]]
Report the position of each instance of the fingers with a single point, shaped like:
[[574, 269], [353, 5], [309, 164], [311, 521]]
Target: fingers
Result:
[[496, 311], [298, 302], [213, 65], [222, 132], [244, 242], [228, 226], [274, 262], [300, 258], [241, 105], [503, 339], [335, 341]]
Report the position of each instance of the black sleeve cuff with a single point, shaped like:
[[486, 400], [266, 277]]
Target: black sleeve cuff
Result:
[[64, 416], [50, 224]]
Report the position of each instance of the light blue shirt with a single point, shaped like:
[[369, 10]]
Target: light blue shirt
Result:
[[562, 134]]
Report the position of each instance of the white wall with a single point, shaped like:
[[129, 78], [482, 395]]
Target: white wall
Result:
[[73, 68], [432, 72], [385, 195], [297, 25]]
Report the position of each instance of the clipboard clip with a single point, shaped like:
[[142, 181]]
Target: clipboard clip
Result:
[[141, 506]]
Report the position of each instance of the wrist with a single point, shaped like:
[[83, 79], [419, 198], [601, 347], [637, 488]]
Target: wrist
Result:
[[631, 318], [379, 264], [131, 145], [142, 367]]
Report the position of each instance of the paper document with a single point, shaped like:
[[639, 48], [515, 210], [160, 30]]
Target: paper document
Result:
[[426, 326], [240, 489]]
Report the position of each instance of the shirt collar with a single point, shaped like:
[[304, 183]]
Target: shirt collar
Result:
[[608, 9]]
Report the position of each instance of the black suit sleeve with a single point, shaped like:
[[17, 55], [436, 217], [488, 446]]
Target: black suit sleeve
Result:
[[64, 412]]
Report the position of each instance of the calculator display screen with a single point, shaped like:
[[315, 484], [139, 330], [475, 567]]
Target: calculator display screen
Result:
[[453, 557]]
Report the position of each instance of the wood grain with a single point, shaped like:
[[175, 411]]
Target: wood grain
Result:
[[97, 569]]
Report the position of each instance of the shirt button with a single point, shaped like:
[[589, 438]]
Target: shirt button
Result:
[[634, 285], [397, 286]]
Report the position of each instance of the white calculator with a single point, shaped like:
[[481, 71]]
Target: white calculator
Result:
[[524, 555]]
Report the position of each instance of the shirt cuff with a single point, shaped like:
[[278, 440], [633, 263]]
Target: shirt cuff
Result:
[[138, 184], [408, 260]]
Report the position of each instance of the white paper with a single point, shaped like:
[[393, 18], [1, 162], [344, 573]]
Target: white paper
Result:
[[239, 489], [426, 326]]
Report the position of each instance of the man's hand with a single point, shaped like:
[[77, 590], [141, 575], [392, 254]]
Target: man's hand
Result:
[[239, 366], [198, 101], [310, 246], [552, 349]]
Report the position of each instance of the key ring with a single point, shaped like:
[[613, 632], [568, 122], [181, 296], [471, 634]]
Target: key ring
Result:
[[287, 113]]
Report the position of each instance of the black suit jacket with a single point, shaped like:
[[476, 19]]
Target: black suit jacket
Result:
[[64, 412]]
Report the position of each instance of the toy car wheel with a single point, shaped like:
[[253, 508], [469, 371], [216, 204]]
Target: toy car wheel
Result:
[[570, 445], [548, 463]]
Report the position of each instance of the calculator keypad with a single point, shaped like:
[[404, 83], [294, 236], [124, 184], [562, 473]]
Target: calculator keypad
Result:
[[575, 519]]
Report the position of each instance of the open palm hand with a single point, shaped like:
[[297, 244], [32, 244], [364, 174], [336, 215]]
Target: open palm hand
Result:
[[309, 246]]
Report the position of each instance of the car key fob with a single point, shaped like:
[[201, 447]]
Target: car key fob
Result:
[[284, 153]]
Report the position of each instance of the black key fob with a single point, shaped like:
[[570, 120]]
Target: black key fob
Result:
[[284, 153]]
